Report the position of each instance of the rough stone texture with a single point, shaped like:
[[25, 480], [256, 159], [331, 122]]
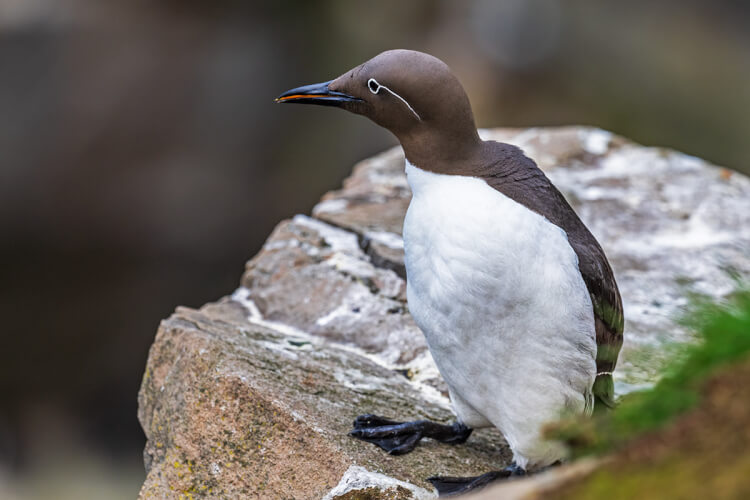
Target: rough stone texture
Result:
[[235, 409], [250, 397], [335, 290]]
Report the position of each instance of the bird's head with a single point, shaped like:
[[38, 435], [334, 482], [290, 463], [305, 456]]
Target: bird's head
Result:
[[412, 94]]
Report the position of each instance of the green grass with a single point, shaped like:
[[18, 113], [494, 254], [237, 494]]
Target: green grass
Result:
[[723, 331]]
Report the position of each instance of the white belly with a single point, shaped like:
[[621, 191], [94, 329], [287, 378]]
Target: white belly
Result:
[[497, 292]]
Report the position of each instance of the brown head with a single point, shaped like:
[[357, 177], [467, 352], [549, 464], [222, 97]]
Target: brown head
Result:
[[412, 94]]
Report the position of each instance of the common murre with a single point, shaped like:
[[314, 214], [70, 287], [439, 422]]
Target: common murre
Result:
[[515, 296]]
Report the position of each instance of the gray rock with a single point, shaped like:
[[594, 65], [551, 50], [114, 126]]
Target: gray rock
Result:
[[253, 396], [316, 277], [238, 407]]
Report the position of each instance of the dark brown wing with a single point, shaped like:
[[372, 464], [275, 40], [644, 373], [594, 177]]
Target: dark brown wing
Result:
[[519, 178]]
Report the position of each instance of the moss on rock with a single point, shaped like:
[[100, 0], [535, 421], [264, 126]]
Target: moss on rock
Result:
[[689, 437]]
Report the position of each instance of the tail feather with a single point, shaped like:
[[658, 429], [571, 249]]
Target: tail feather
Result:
[[604, 392]]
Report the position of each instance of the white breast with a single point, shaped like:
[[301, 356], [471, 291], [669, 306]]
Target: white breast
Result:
[[497, 292]]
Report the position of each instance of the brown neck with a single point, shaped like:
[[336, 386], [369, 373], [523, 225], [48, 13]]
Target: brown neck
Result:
[[445, 152]]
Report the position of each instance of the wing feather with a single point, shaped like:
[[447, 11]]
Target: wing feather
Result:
[[519, 178]]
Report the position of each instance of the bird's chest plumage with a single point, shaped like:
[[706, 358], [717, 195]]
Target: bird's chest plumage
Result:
[[465, 248], [494, 286], [473, 254]]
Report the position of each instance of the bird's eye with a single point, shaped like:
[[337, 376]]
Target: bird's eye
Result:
[[373, 85]]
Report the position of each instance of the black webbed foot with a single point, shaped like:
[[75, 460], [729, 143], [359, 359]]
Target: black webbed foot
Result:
[[398, 438], [451, 486]]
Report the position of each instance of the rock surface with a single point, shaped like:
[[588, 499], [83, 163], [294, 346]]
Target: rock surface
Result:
[[253, 396], [235, 408]]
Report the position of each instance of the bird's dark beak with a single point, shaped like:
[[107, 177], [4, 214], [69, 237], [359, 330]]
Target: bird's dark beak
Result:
[[317, 93]]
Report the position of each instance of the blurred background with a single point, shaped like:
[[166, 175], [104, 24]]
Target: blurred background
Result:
[[143, 161]]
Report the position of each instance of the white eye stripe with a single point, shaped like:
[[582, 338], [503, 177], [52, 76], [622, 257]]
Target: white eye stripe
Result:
[[374, 83]]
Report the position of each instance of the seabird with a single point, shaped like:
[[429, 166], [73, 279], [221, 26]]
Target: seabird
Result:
[[513, 293]]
